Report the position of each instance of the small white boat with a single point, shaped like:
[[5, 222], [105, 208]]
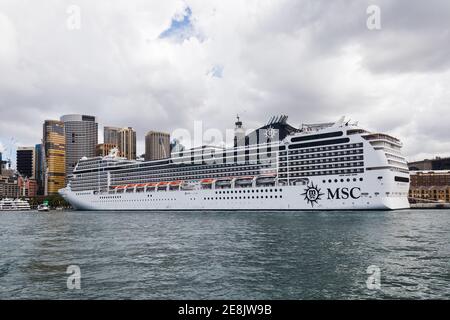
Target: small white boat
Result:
[[43, 208]]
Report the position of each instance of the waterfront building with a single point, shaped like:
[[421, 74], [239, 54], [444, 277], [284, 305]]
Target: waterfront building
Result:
[[111, 135], [157, 145], [103, 149], [25, 161], [430, 185], [8, 187], [127, 143], [437, 163], [27, 187], [54, 145], [81, 136]]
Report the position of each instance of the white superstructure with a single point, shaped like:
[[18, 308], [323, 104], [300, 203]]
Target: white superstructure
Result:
[[332, 166]]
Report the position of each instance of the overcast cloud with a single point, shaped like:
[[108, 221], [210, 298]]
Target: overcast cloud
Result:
[[160, 65]]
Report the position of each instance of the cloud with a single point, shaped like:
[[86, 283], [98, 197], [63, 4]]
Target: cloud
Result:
[[162, 65]]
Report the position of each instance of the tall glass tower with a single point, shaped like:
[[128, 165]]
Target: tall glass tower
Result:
[[81, 132]]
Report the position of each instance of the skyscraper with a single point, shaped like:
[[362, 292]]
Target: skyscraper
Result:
[[157, 145], [25, 162], [127, 143], [81, 133], [111, 135], [1, 163], [54, 149], [39, 172]]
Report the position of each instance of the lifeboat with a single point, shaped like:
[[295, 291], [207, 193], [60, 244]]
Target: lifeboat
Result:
[[175, 184], [189, 185], [266, 179], [223, 182], [120, 189], [299, 182], [162, 185], [207, 181], [244, 181], [151, 186], [140, 187]]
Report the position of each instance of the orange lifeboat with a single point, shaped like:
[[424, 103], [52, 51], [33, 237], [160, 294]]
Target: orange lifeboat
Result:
[[175, 184], [207, 181], [162, 185], [151, 184]]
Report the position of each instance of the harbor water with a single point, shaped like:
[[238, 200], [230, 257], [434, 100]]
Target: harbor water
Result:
[[226, 255]]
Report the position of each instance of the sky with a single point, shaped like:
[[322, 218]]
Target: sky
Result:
[[162, 65]]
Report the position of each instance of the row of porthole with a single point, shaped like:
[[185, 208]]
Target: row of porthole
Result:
[[248, 191], [342, 180], [140, 200], [242, 198]]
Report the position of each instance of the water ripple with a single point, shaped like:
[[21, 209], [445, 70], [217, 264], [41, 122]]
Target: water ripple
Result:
[[225, 255]]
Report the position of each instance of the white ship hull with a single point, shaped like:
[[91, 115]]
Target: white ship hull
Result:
[[333, 196]]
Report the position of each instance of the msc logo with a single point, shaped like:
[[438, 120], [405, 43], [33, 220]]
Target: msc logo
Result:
[[312, 194], [344, 193]]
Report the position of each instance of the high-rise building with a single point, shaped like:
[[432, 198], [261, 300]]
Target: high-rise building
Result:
[[54, 146], [81, 134], [1, 163], [111, 135], [25, 162], [103, 149], [157, 145], [127, 143], [39, 171]]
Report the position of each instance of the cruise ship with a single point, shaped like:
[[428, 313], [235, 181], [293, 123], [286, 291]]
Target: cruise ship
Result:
[[325, 166]]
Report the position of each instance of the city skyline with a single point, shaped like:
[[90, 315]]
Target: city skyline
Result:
[[166, 65]]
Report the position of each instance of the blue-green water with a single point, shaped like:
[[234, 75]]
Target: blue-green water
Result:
[[225, 255]]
